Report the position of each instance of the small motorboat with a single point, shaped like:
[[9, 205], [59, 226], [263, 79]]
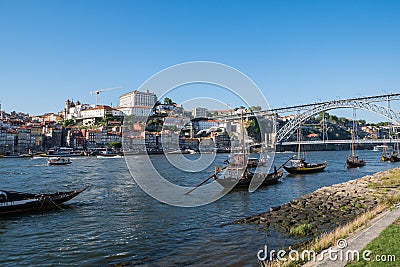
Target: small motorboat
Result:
[[12, 202], [110, 154], [59, 161]]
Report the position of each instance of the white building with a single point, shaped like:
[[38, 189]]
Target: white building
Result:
[[207, 124], [178, 122], [100, 112], [141, 111], [73, 110], [199, 112], [136, 98]]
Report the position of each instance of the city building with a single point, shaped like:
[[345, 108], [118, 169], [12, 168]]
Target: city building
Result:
[[93, 137], [137, 98], [47, 117], [73, 110], [139, 111], [199, 112], [24, 139], [89, 116]]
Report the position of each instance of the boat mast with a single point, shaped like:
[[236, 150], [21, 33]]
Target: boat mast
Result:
[[241, 127], [243, 142], [352, 144], [353, 133], [298, 140]]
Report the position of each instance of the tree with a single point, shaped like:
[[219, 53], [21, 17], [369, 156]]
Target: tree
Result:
[[70, 122], [253, 129], [116, 145], [168, 101], [255, 108]]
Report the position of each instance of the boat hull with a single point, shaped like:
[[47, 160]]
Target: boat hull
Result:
[[59, 163], [304, 170], [16, 203], [245, 181], [355, 164], [394, 158]]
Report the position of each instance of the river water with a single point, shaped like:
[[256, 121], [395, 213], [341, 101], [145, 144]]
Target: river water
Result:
[[114, 221]]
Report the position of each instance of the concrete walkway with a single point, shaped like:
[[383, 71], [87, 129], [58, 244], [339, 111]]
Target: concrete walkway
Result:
[[358, 241]]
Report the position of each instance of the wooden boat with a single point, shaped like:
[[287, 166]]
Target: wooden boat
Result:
[[243, 169], [9, 155], [12, 202], [57, 153], [254, 162], [58, 161], [385, 156], [394, 157], [352, 161], [229, 181], [300, 166], [240, 172]]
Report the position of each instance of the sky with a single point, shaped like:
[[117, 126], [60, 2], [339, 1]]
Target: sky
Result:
[[297, 52]]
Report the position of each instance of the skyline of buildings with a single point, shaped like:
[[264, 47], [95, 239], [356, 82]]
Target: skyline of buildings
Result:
[[83, 126]]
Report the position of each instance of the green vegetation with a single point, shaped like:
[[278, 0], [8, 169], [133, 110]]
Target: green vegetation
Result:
[[303, 229], [67, 123], [116, 145], [391, 181], [253, 129], [168, 101], [386, 246], [255, 108], [154, 124]]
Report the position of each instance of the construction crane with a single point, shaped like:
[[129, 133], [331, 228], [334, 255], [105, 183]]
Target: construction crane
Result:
[[97, 92]]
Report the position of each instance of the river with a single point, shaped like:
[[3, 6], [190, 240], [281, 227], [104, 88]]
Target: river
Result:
[[114, 221]]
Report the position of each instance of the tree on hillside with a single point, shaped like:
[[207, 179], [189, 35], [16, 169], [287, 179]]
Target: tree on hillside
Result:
[[116, 145]]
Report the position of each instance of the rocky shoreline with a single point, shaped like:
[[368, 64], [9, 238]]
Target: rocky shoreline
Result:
[[329, 207]]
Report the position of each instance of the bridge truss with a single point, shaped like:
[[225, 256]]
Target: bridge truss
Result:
[[308, 110]]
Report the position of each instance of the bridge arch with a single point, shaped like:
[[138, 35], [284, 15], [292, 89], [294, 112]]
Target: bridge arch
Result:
[[290, 127]]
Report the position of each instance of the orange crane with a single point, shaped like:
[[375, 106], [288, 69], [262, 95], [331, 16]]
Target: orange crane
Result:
[[97, 92]]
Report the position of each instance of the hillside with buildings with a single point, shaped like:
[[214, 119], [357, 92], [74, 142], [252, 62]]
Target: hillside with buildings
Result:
[[159, 125]]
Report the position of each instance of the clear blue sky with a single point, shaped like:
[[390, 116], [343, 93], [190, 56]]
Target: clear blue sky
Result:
[[296, 51]]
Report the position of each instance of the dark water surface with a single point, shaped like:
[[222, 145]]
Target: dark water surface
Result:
[[114, 221]]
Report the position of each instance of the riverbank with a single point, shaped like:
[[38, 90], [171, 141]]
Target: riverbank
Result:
[[322, 147], [328, 208]]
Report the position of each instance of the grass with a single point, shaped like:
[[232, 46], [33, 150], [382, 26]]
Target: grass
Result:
[[386, 246], [387, 192], [387, 182], [327, 240], [303, 229], [392, 199]]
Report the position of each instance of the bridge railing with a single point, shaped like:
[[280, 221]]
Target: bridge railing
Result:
[[360, 141]]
